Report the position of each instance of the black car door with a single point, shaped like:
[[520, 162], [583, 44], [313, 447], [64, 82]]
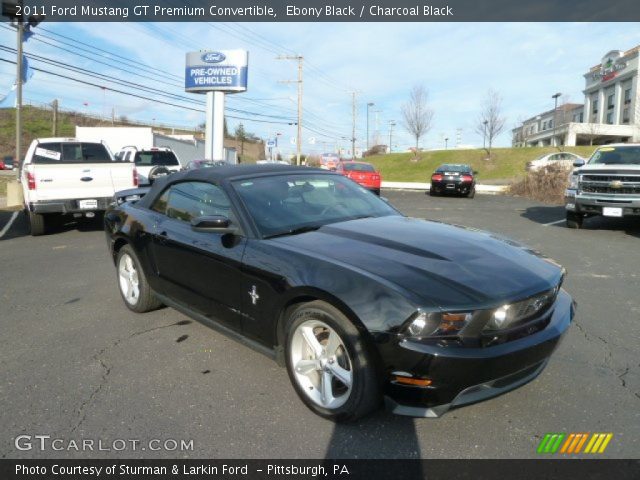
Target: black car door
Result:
[[201, 270]]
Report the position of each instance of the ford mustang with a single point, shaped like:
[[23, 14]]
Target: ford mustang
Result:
[[360, 303]]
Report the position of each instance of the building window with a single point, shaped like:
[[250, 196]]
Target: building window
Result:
[[581, 117], [610, 118], [625, 115], [595, 107], [544, 125], [610, 102], [550, 123], [627, 96]]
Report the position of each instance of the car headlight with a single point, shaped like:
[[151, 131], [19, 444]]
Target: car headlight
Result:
[[436, 324], [573, 181], [509, 314]]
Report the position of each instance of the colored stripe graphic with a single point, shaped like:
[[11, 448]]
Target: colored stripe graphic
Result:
[[572, 443]]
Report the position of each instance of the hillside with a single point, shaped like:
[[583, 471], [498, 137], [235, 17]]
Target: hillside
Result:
[[37, 122], [505, 164]]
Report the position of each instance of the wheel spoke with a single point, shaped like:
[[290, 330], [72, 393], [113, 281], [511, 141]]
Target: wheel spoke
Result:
[[135, 292], [326, 390], [305, 367], [312, 341], [342, 375], [128, 263]]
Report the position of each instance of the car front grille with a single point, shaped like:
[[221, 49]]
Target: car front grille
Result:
[[610, 184]]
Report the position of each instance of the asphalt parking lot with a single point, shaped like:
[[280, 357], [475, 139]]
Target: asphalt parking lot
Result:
[[76, 364]]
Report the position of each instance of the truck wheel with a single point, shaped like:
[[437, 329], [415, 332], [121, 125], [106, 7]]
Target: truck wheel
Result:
[[574, 220], [36, 220]]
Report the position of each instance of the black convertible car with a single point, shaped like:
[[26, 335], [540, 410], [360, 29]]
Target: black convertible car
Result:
[[453, 178], [359, 302]]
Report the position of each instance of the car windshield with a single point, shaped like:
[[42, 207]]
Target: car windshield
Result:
[[453, 168], [292, 203], [153, 158], [616, 156], [358, 167]]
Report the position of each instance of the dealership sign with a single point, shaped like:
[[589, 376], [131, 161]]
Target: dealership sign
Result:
[[610, 66], [216, 70]]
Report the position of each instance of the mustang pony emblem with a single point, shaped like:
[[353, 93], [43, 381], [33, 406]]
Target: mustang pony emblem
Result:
[[254, 295]]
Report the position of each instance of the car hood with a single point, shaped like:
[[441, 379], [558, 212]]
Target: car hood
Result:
[[447, 266]]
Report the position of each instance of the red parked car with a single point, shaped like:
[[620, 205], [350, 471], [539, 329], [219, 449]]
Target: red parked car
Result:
[[362, 173]]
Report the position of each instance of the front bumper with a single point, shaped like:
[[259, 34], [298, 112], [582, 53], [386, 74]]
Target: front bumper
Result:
[[68, 206], [462, 375], [592, 204]]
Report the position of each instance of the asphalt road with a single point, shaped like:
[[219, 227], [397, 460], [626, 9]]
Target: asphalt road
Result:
[[76, 364]]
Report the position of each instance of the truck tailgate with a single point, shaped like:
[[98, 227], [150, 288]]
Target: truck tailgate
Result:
[[73, 181]]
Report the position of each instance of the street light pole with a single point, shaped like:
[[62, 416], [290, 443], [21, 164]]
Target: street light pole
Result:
[[484, 135], [391, 125], [446, 142], [555, 110], [20, 33], [369, 105]]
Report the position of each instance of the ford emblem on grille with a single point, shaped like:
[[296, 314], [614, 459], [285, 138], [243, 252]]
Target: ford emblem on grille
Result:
[[616, 184]]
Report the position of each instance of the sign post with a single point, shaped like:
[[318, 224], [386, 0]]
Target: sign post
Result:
[[216, 73]]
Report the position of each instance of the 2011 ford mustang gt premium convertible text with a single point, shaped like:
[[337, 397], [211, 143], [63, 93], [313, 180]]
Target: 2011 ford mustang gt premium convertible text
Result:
[[358, 301]]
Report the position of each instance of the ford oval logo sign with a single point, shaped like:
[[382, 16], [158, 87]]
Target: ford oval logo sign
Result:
[[213, 57]]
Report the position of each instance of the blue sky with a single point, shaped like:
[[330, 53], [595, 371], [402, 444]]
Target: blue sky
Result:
[[456, 62]]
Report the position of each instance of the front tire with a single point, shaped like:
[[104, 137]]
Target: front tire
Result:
[[574, 220], [132, 282], [329, 363]]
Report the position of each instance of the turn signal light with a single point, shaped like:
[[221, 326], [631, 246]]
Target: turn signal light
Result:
[[436, 178], [135, 177], [467, 178], [417, 382]]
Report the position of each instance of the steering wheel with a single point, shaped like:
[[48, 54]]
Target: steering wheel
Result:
[[156, 172], [328, 208]]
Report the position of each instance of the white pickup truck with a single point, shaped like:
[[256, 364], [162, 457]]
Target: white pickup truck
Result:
[[63, 176]]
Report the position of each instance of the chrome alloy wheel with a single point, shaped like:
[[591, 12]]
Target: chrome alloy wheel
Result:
[[129, 283], [321, 364]]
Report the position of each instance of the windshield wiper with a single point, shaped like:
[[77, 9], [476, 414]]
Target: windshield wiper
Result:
[[296, 231]]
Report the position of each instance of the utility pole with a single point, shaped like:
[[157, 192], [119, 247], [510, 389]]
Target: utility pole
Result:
[[20, 32], [353, 126], [391, 125], [300, 60], [554, 143], [369, 105], [54, 107]]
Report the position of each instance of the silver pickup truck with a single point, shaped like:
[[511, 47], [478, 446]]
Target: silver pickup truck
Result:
[[608, 184]]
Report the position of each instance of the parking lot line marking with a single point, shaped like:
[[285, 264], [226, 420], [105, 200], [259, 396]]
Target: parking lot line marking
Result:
[[8, 225], [553, 223]]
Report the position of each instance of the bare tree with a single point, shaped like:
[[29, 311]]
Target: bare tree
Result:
[[417, 117], [491, 122]]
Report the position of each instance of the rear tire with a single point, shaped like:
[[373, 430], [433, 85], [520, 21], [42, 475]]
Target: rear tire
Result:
[[329, 363], [432, 192], [134, 288], [471, 193], [37, 223], [574, 220]]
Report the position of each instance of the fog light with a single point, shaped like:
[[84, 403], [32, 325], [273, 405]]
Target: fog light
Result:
[[570, 206]]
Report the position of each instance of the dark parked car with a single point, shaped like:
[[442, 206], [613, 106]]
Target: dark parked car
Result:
[[453, 178], [356, 300]]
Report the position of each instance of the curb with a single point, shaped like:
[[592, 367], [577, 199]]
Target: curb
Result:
[[489, 189]]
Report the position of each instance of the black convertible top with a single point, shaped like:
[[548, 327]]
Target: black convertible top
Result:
[[219, 174]]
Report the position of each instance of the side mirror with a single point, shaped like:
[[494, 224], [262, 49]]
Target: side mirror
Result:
[[213, 224], [579, 163], [475, 172]]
